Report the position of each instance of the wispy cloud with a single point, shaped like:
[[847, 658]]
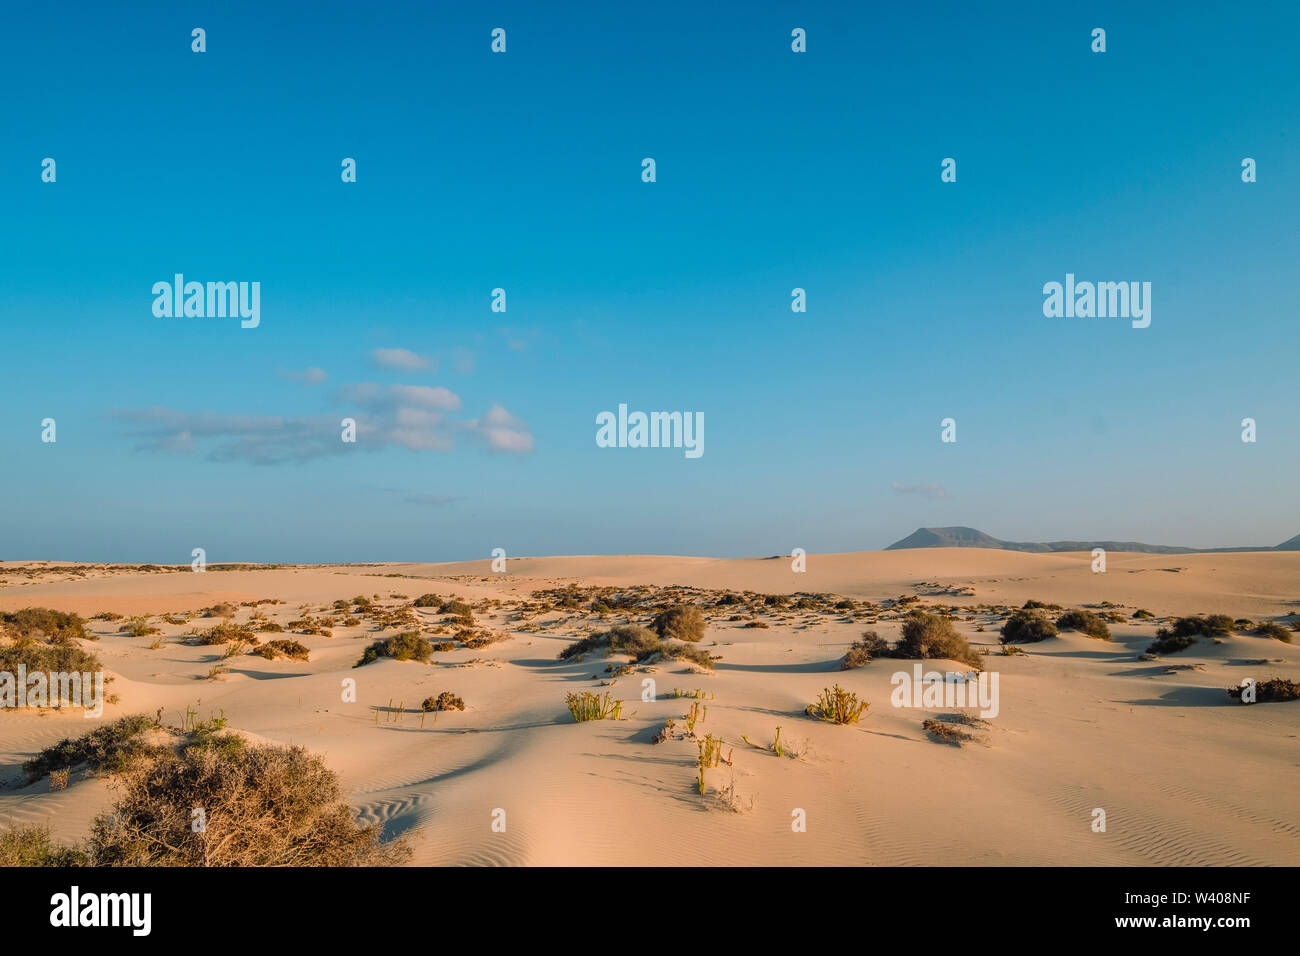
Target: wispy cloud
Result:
[[925, 491], [418, 418], [308, 376], [402, 360], [503, 432]]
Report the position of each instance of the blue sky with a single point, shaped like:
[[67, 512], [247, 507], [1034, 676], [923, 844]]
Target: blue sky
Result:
[[775, 170]]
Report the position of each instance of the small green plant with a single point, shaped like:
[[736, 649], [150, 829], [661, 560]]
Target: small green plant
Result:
[[838, 706], [776, 743], [588, 705]]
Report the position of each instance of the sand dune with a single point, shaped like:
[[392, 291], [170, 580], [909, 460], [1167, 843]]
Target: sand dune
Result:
[[1185, 775]]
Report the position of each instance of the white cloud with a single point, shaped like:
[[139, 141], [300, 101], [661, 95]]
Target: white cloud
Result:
[[403, 360]]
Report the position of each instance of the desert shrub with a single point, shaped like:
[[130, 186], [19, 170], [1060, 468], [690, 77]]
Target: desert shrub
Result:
[[682, 623], [106, 616], [428, 600], [865, 651], [1275, 631], [756, 624], [1213, 625], [361, 601], [226, 632], [458, 609], [1032, 605], [837, 706], [444, 646], [1142, 614], [270, 627], [591, 706], [1269, 691], [38, 649], [219, 610], [409, 646], [1167, 642], [54, 627], [290, 649], [630, 639], [689, 652], [929, 636], [32, 846], [1085, 621], [111, 747], [444, 701], [1026, 626], [946, 733], [138, 627], [264, 806]]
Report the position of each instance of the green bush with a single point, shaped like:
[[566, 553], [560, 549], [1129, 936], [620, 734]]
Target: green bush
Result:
[[112, 747], [1275, 631], [428, 600], [42, 623], [1027, 626], [263, 806], [681, 623], [409, 646], [31, 846], [1085, 621], [930, 636], [865, 651]]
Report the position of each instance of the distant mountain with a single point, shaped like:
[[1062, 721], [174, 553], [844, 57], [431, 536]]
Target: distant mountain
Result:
[[972, 538]]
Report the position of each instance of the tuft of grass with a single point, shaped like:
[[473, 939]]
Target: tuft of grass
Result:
[[138, 627], [588, 705], [837, 706], [227, 632], [946, 733]]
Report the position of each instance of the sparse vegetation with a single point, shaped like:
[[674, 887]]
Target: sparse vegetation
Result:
[[280, 648], [682, 623], [32, 846], [1027, 626], [409, 646], [864, 651], [838, 706], [1270, 691], [112, 747], [1275, 631], [930, 636], [1085, 621], [444, 701], [588, 705]]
